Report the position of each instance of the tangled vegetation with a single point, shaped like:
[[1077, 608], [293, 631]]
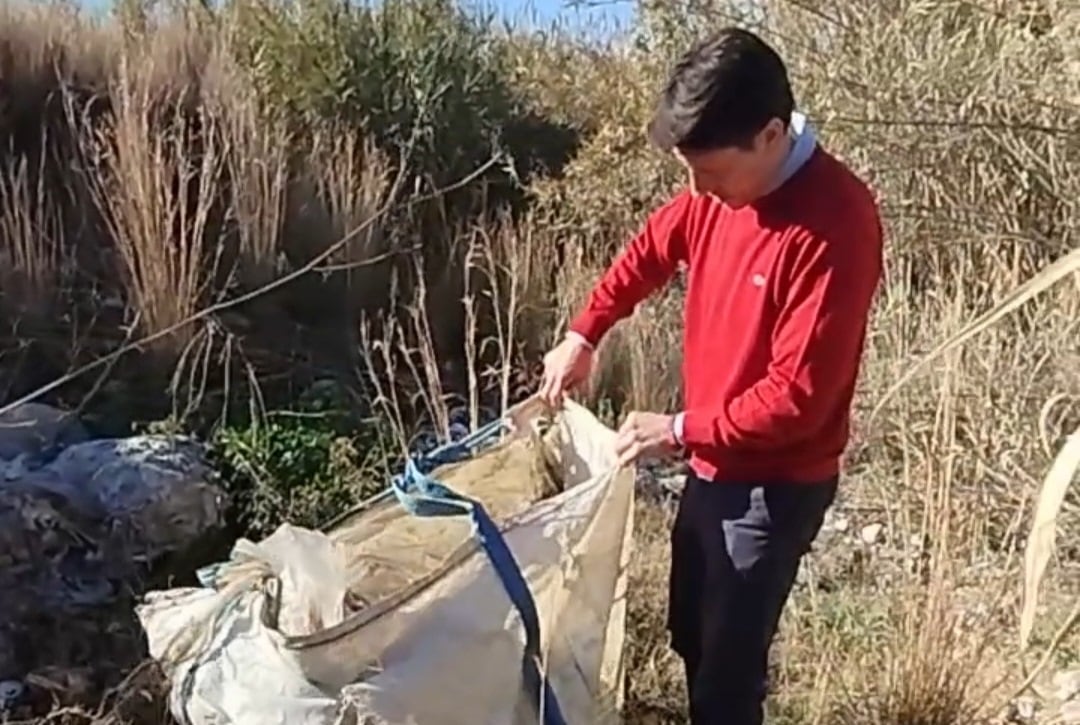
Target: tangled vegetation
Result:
[[221, 207]]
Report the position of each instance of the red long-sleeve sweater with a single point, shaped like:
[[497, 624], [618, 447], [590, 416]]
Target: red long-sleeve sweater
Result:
[[778, 296]]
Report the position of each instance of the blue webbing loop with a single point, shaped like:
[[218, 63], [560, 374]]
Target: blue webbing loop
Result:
[[422, 495]]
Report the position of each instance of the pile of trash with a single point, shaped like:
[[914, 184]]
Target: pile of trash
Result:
[[486, 584], [81, 522]]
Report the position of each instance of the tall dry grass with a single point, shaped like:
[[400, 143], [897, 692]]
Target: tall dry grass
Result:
[[258, 169], [962, 115], [31, 256], [157, 186], [352, 179]]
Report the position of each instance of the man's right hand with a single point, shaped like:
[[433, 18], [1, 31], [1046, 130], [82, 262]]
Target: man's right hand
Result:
[[565, 367]]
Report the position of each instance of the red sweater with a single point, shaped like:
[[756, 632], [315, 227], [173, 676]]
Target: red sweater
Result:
[[778, 295]]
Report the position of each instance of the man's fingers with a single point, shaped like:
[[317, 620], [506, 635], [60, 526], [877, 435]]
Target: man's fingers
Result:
[[629, 429], [550, 389], [630, 454], [547, 381], [627, 444], [572, 381], [547, 387]]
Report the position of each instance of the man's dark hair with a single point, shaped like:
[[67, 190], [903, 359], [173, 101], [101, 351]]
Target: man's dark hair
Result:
[[721, 93]]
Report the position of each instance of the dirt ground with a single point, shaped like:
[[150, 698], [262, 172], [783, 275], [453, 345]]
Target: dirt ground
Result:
[[854, 647]]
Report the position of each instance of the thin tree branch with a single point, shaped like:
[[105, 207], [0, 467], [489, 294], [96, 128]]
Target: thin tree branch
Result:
[[219, 307]]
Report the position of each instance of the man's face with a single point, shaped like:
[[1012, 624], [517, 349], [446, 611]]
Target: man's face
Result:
[[733, 175]]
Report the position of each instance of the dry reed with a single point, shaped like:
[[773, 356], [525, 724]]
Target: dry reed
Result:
[[961, 115]]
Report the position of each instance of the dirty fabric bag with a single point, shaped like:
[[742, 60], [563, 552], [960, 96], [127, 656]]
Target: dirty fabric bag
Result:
[[278, 633]]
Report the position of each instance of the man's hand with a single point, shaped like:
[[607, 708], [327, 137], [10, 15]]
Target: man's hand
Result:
[[565, 367], [645, 434]]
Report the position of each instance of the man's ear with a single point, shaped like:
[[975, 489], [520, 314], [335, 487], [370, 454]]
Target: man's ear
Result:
[[773, 131]]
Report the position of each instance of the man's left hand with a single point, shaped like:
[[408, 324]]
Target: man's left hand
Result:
[[644, 435]]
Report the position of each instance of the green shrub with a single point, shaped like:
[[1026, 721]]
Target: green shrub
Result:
[[423, 77], [302, 467]]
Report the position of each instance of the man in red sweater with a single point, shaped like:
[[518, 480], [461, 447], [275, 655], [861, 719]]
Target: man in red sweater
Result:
[[782, 246]]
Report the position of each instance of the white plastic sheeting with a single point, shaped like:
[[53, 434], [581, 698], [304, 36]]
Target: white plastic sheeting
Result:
[[271, 640]]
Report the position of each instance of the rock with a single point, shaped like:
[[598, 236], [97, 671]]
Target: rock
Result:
[[35, 431], [11, 691], [871, 534], [80, 530], [1070, 713], [1067, 685], [672, 484], [156, 487], [1025, 709]]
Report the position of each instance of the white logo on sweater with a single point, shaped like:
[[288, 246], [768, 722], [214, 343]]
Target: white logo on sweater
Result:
[[758, 280]]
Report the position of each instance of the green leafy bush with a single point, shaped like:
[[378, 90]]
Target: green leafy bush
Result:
[[423, 77], [302, 467]]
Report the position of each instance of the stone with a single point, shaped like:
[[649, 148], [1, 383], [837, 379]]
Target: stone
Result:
[[673, 484], [34, 430], [1070, 713], [159, 485], [838, 523], [871, 534], [11, 691], [1025, 708], [80, 529], [1067, 684]]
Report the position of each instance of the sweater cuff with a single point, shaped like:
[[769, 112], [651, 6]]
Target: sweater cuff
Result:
[[678, 427], [581, 339], [697, 429], [590, 327]]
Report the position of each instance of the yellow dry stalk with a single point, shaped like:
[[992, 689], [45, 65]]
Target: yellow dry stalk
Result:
[[1040, 543]]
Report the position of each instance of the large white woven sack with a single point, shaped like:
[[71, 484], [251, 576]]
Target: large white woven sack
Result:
[[268, 640]]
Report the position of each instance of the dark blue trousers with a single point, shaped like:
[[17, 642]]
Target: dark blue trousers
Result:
[[736, 548]]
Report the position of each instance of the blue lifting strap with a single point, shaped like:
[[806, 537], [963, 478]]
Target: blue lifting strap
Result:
[[422, 495]]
